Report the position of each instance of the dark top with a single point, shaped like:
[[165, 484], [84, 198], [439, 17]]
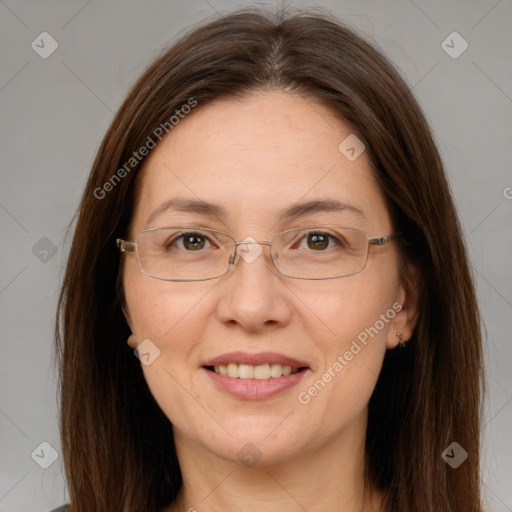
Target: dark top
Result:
[[64, 508]]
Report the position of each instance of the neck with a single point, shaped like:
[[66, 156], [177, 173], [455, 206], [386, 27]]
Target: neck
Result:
[[330, 477]]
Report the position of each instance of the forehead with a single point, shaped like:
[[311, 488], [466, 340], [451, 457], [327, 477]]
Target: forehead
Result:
[[255, 156]]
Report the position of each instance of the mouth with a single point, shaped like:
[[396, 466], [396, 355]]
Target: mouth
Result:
[[260, 366], [255, 376], [260, 372]]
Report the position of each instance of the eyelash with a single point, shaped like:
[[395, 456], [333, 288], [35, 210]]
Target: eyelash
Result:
[[183, 235], [338, 242]]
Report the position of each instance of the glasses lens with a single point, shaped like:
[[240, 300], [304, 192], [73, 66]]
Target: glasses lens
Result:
[[320, 252], [177, 253]]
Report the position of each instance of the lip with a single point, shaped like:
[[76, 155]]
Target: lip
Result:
[[253, 389], [256, 359]]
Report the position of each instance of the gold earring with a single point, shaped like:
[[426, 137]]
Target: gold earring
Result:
[[401, 341]]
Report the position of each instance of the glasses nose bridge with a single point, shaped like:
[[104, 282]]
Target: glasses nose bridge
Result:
[[236, 257], [246, 242]]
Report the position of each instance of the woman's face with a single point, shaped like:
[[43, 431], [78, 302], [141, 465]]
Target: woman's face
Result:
[[255, 158]]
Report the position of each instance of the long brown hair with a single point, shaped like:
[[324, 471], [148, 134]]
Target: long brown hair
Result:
[[117, 444]]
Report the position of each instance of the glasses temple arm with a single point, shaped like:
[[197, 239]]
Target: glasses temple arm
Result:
[[383, 240], [125, 245]]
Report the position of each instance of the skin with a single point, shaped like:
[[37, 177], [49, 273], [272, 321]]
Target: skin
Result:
[[255, 157]]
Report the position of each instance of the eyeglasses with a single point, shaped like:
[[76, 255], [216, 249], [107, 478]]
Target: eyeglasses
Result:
[[198, 254]]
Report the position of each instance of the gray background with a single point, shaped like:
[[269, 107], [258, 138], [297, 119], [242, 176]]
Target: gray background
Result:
[[56, 110]]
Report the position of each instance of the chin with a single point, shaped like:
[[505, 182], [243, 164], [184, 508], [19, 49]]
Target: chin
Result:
[[262, 441]]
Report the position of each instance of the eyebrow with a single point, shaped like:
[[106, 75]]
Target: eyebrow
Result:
[[295, 211]]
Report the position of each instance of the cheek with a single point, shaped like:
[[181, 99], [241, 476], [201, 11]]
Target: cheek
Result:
[[346, 309], [158, 308], [173, 317], [352, 317]]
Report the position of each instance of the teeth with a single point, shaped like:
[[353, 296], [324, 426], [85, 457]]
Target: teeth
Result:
[[232, 370], [276, 370], [246, 371], [260, 372]]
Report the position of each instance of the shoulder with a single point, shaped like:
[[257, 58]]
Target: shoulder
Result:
[[63, 508]]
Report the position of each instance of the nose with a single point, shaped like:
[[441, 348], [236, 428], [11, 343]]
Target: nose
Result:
[[248, 250], [253, 294]]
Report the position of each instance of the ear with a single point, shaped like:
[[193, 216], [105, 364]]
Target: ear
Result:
[[132, 341], [407, 305]]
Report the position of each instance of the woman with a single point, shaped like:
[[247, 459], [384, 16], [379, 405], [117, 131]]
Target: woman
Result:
[[267, 303]]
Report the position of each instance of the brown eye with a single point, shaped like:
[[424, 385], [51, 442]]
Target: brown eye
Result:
[[189, 242], [193, 241], [318, 241]]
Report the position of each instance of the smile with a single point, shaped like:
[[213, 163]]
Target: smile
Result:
[[247, 371], [255, 376]]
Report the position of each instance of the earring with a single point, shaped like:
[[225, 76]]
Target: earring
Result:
[[401, 341]]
